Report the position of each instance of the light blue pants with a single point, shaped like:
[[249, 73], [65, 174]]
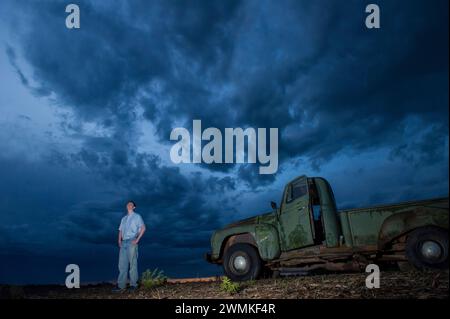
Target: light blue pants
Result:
[[128, 256]]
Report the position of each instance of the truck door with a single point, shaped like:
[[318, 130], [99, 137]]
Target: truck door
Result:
[[295, 221]]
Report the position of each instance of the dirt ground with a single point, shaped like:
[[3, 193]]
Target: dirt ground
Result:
[[393, 284]]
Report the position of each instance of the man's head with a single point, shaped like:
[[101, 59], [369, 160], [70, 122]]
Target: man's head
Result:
[[130, 206]]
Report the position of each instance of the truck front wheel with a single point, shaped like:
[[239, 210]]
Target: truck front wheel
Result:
[[427, 248], [242, 262]]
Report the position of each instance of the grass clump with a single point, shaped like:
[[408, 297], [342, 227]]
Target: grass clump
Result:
[[229, 287], [153, 278]]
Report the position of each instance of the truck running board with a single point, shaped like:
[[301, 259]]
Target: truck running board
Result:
[[292, 272]]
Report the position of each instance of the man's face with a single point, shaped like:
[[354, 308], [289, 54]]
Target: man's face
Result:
[[130, 207]]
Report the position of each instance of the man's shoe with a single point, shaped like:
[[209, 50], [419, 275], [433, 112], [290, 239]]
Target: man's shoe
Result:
[[132, 289], [117, 290]]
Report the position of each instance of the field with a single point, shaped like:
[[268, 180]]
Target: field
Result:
[[393, 284]]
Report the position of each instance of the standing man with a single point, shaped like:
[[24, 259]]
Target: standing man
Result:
[[131, 229]]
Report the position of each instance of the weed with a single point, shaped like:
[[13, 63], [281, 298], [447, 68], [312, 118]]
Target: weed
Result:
[[152, 279], [228, 286]]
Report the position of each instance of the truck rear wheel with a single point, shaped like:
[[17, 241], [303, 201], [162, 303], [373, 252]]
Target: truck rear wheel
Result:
[[427, 248], [242, 262]]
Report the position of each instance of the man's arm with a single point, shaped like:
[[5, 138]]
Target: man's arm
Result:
[[120, 238], [141, 232]]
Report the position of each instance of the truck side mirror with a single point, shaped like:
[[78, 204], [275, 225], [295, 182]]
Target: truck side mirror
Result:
[[273, 205]]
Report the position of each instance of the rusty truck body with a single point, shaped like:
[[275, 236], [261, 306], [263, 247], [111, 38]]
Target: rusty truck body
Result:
[[307, 232]]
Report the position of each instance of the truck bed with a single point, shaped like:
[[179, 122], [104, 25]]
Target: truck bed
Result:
[[441, 202], [361, 226]]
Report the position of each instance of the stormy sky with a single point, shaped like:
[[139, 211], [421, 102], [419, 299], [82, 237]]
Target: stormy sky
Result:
[[86, 116]]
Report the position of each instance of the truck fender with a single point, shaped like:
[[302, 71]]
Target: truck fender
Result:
[[267, 242], [262, 237], [244, 238], [399, 224]]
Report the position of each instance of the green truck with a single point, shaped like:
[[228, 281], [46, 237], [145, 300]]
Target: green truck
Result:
[[307, 232]]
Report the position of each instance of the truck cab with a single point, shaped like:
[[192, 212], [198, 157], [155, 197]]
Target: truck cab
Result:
[[308, 215]]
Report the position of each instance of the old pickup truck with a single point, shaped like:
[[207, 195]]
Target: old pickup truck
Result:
[[307, 232]]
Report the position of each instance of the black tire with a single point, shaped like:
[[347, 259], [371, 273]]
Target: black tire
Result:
[[436, 257], [250, 262]]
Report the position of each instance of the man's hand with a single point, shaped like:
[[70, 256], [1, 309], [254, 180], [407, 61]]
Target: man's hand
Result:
[[120, 244], [141, 232]]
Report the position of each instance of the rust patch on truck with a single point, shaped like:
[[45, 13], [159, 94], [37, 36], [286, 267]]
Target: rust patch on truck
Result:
[[245, 238]]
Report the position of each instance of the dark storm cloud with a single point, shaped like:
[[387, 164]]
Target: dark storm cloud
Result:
[[12, 59], [310, 68], [116, 53], [425, 148], [34, 199], [250, 175]]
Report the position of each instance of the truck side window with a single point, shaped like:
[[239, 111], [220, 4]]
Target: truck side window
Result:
[[296, 190]]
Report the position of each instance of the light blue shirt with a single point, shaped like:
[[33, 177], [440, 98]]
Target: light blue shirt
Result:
[[130, 225]]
